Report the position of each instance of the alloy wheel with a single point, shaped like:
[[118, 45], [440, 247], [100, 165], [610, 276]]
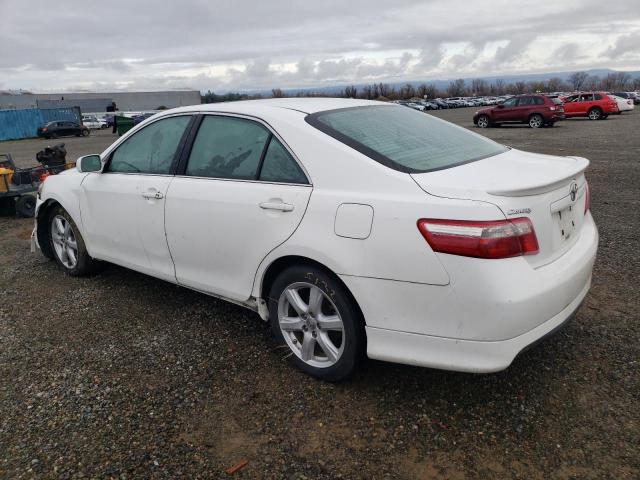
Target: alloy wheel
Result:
[[311, 324], [594, 114], [64, 241], [535, 121], [483, 121]]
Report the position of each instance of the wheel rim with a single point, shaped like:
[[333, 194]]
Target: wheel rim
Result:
[[535, 121], [483, 122], [64, 241], [594, 114], [311, 325]]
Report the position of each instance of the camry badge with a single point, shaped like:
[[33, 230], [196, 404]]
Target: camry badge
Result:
[[573, 191], [519, 211]]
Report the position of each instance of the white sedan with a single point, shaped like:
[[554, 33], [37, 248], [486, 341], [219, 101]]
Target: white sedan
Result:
[[93, 123], [354, 227], [624, 104]]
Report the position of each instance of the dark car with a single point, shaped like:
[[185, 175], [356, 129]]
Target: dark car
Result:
[[536, 110], [62, 129]]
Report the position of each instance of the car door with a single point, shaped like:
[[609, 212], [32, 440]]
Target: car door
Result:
[[523, 109], [571, 106], [238, 195], [122, 208], [505, 111], [586, 101]]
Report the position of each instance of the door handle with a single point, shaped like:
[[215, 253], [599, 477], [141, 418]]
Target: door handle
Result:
[[283, 207], [151, 195]]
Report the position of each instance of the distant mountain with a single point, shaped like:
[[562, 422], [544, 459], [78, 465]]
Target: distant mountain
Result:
[[443, 83]]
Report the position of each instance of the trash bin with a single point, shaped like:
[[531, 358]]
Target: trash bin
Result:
[[123, 124]]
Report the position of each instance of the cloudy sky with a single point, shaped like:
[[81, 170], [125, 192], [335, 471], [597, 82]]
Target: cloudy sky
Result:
[[257, 44]]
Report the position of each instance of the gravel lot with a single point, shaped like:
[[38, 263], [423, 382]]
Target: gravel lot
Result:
[[124, 376]]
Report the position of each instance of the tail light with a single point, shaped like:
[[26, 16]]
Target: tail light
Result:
[[587, 198], [480, 239]]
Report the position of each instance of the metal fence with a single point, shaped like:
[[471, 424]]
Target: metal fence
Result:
[[17, 124]]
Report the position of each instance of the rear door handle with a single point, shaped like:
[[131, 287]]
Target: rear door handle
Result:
[[150, 194], [283, 207]]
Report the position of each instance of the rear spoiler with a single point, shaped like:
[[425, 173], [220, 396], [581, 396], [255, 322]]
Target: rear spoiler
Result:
[[535, 189]]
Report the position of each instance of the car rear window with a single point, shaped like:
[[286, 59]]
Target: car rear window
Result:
[[404, 139], [557, 101]]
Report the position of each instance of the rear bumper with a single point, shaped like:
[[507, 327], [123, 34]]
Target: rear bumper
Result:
[[462, 355], [489, 312]]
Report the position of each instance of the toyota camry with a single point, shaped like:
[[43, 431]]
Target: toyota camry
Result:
[[355, 228]]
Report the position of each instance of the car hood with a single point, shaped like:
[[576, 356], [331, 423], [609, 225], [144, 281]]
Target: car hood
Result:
[[484, 110]]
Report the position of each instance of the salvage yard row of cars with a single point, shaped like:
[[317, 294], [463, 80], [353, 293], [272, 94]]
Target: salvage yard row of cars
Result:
[[355, 228], [540, 110]]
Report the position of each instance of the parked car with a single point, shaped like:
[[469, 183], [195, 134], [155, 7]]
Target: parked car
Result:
[[423, 243], [93, 123], [624, 104], [593, 105], [62, 129], [535, 110], [441, 103]]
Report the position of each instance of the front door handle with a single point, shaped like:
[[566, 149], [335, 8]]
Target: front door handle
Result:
[[283, 207], [149, 195]]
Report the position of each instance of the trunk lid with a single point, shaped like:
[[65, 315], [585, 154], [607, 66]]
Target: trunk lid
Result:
[[549, 190]]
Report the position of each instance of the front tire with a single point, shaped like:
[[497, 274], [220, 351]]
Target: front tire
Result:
[[312, 314], [67, 244], [483, 121]]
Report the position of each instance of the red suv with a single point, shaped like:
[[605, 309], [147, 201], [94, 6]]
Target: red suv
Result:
[[594, 105], [536, 110]]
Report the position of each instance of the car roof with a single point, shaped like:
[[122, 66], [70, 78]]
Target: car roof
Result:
[[274, 106]]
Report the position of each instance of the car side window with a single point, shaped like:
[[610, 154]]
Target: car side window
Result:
[[510, 103], [227, 147], [524, 101], [598, 96], [150, 150], [279, 165], [538, 101]]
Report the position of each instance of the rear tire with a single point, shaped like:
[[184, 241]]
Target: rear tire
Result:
[[594, 114], [536, 121], [26, 206], [314, 316], [67, 244], [85, 133]]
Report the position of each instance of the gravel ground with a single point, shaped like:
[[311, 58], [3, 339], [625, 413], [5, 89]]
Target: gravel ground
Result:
[[124, 376]]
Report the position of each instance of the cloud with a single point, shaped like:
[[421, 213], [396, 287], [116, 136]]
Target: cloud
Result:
[[253, 44], [626, 45]]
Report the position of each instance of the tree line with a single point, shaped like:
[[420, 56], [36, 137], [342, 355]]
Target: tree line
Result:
[[615, 81]]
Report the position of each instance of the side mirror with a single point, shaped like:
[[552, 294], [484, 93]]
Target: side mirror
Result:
[[89, 163]]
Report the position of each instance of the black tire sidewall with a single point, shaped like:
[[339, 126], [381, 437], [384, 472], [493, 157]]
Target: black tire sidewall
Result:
[[354, 333], [26, 206], [84, 265]]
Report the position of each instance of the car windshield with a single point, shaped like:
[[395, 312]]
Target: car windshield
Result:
[[404, 139]]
